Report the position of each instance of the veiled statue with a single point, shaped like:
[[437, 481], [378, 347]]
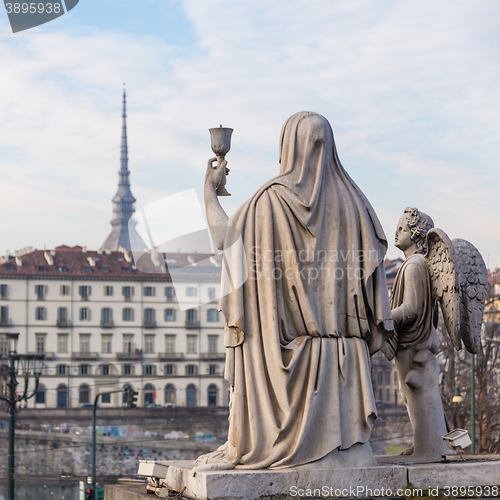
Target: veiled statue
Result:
[[436, 271], [299, 332]]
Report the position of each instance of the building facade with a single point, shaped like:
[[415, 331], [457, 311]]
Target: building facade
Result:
[[103, 325]]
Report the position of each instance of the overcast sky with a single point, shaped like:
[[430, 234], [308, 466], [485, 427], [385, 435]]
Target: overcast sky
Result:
[[411, 90]]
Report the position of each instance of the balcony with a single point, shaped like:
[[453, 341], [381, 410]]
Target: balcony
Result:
[[46, 355], [63, 323], [170, 356], [128, 356], [213, 356], [5, 322], [149, 324], [190, 324], [81, 356], [107, 323]]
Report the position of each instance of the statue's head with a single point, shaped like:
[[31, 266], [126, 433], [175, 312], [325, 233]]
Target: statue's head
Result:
[[416, 225]]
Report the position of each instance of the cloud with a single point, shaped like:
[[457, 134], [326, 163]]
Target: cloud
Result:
[[410, 89]]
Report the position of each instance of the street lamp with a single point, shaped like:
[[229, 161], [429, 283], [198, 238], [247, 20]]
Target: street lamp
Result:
[[457, 397], [27, 366]]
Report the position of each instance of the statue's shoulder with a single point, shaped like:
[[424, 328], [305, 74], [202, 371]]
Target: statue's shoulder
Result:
[[417, 259]]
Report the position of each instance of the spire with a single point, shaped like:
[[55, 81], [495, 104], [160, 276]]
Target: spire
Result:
[[123, 201]]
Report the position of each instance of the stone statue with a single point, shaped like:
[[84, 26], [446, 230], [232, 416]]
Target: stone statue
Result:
[[436, 270], [300, 330]]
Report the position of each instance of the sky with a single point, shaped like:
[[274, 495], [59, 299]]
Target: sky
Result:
[[410, 88]]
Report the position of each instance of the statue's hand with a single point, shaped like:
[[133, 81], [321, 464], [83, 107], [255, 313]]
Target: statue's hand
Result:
[[216, 176]]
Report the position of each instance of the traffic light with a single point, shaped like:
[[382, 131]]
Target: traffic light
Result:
[[89, 494], [132, 399]]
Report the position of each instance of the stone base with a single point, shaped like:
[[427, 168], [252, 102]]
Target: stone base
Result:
[[323, 484]]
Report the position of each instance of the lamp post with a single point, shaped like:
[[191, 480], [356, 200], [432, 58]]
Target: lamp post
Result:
[[472, 405], [27, 365]]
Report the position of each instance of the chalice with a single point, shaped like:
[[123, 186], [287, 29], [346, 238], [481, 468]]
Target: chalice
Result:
[[221, 144]]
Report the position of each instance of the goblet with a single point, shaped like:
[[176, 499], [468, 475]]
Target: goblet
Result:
[[221, 144]]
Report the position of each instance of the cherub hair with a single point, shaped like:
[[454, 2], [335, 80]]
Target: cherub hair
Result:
[[419, 224]]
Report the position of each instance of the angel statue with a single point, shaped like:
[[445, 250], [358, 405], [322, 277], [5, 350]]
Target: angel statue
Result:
[[436, 270]]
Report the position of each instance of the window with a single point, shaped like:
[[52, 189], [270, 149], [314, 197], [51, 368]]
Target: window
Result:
[[149, 317], [85, 292], [108, 290], [191, 370], [9, 267], [212, 369], [62, 316], [380, 377], [128, 314], [87, 269], [169, 395], [149, 291], [127, 369], [4, 344], [84, 394], [212, 395], [84, 370], [41, 268], [127, 269], [64, 289], [212, 315], [106, 316], [40, 395], [3, 291], [105, 270], [387, 377], [191, 344], [380, 394], [61, 369], [395, 377], [192, 318], [40, 313], [106, 398], [191, 395], [149, 344], [191, 291], [170, 344], [169, 314], [85, 342], [128, 342], [212, 343], [104, 369], [40, 292], [84, 314], [62, 342], [127, 292], [106, 343], [40, 342], [169, 293], [170, 369], [62, 396], [149, 370], [4, 315], [62, 269], [211, 294]]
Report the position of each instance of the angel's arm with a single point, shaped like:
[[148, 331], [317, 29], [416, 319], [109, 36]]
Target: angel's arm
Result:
[[414, 298]]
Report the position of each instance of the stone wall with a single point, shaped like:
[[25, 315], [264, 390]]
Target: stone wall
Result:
[[58, 442]]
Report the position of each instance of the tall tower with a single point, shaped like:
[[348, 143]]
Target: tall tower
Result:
[[123, 202]]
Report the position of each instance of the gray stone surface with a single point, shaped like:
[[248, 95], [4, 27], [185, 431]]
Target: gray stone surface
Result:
[[253, 484], [454, 474], [126, 492]]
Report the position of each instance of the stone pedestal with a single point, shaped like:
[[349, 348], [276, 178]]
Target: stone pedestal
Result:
[[388, 480]]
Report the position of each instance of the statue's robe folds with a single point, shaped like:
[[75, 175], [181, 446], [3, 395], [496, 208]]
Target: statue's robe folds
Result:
[[300, 329]]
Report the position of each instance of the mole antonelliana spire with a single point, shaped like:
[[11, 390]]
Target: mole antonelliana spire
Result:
[[123, 202]]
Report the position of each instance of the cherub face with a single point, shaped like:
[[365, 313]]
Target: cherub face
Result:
[[402, 238]]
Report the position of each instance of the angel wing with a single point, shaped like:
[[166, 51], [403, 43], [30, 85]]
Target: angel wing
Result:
[[443, 270], [473, 286]]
